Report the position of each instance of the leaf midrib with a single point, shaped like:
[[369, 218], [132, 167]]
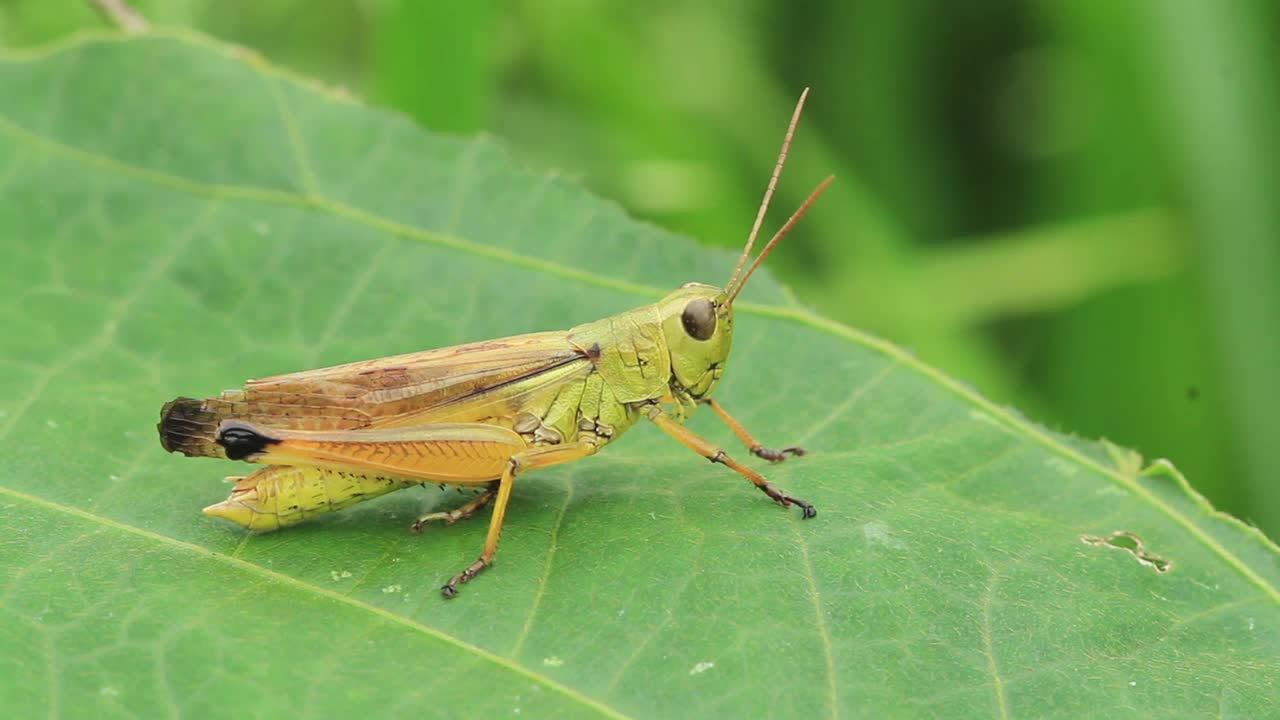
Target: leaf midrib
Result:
[[297, 584], [396, 228]]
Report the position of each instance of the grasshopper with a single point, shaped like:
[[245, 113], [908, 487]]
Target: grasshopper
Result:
[[480, 414]]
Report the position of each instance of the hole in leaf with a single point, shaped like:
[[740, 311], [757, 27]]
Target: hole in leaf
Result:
[[1132, 544]]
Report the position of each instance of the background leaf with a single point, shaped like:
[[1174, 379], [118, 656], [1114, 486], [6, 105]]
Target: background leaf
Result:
[[177, 216]]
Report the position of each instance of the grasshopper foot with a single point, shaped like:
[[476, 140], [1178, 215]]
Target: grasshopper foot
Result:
[[449, 517], [450, 588], [459, 513], [776, 455], [807, 510]]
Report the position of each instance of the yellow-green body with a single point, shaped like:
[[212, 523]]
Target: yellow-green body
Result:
[[587, 384]]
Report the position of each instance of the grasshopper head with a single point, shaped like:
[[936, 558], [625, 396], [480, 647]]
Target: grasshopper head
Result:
[[697, 321]]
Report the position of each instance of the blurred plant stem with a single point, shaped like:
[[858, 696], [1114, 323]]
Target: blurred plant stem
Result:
[[123, 16], [1045, 269], [1213, 66]]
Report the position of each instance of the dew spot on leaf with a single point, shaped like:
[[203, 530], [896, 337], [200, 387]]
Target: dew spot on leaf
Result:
[[878, 533]]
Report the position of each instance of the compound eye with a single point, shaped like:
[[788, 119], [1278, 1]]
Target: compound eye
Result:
[[699, 319]]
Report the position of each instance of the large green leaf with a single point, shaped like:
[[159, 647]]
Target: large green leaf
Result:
[[177, 216]]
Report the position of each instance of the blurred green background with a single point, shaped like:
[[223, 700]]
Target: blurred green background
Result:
[[1070, 204]]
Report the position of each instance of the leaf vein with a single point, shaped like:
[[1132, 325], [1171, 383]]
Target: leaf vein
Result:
[[546, 573], [828, 652], [292, 582], [988, 648], [301, 156], [839, 410], [118, 312], [325, 204]]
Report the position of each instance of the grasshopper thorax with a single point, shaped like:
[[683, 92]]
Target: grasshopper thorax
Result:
[[697, 323]]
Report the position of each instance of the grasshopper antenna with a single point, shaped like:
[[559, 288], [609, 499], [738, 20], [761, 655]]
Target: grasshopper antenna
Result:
[[791, 221], [768, 192]]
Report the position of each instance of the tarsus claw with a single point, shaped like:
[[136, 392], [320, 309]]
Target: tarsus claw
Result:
[[776, 455]]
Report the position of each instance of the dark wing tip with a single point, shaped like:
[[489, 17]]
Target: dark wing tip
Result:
[[186, 426]]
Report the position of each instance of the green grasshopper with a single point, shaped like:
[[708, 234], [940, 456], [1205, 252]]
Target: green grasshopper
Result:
[[480, 414]]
